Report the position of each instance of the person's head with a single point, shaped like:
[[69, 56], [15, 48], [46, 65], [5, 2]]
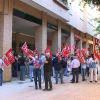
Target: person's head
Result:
[[42, 54], [48, 55], [37, 56]]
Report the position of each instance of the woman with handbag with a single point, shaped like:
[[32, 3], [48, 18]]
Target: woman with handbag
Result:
[[1, 70]]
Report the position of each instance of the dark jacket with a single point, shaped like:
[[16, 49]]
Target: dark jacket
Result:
[[64, 64], [57, 65]]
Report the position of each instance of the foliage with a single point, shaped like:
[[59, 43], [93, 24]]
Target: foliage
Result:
[[65, 2]]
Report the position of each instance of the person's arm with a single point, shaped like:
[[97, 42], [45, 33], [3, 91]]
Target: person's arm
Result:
[[71, 64]]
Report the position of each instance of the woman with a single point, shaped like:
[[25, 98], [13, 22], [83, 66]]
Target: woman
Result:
[[93, 67], [37, 70]]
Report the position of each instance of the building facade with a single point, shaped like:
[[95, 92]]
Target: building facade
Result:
[[45, 22]]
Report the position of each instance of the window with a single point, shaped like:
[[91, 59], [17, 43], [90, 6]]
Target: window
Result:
[[70, 7], [90, 20], [81, 14]]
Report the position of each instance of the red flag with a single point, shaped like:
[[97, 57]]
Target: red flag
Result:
[[69, 48], [27, 51], [73, 47], [25, 48], [83, 50], [48, 51], [35, 50], [30, 53], [59, 55], [6, 61], [10, 56]]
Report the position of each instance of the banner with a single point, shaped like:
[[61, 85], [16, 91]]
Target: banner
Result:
[[6, 61], [96, 48], [48, 51], [35, 50], [27, 51], [10, 56]]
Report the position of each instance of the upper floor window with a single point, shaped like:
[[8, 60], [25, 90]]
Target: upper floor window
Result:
[[70, 7], [91, 20], [81, 14], [65, 2]]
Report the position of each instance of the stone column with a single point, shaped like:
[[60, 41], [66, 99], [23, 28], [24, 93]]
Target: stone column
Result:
[[17, 42], [79, 43], [41, 34], [56, 39], [70, 39], [6, 33]]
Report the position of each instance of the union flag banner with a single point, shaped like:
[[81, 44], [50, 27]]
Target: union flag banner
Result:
[[6, 61], [96, 48], [73, 47], [35, 50], [27, 51], [48, 51], [10, 56], [25, 48]]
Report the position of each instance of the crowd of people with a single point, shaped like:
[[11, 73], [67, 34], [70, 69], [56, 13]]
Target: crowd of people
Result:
[[47, 67]]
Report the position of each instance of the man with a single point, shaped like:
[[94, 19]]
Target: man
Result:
[[22, 62], [47, 72], [37, 70], [1, 70], [75, 69], [42, 69], [58, 68], [83, 71]]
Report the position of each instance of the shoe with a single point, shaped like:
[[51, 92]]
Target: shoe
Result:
[[72, 82], [31, 80], [76, 82], [40, 88], [84, 80], [91, 81], [36, 88], [45, 90], [95, 81], [62, 83], [50, 89]]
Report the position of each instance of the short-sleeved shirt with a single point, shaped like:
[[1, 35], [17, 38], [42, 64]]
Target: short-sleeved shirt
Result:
[[48, 66], [22, 61]]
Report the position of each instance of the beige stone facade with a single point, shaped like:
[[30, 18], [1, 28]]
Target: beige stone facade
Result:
[[55, 15]]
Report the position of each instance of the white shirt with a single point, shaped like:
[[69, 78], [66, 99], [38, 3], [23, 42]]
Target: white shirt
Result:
[[43, 59], [1, 64], [75, 63]]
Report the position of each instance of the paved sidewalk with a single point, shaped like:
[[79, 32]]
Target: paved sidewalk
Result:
[[15, 90]]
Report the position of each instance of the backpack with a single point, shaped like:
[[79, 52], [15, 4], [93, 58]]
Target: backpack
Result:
[[93, 65]]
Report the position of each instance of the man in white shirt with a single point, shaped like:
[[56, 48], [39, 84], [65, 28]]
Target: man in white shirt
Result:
[[75, 69], [1, 70]]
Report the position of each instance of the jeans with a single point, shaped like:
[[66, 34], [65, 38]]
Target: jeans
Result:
[[83, 75], [47, 77], [75, 71], [87, 71], [1, 78], [27, 69], [22, 69], [95, 72], [31, 71], [53, 72], [66, 71], [63, 71], [42, 74], [56, 75], [37, 75], [15, 69]]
